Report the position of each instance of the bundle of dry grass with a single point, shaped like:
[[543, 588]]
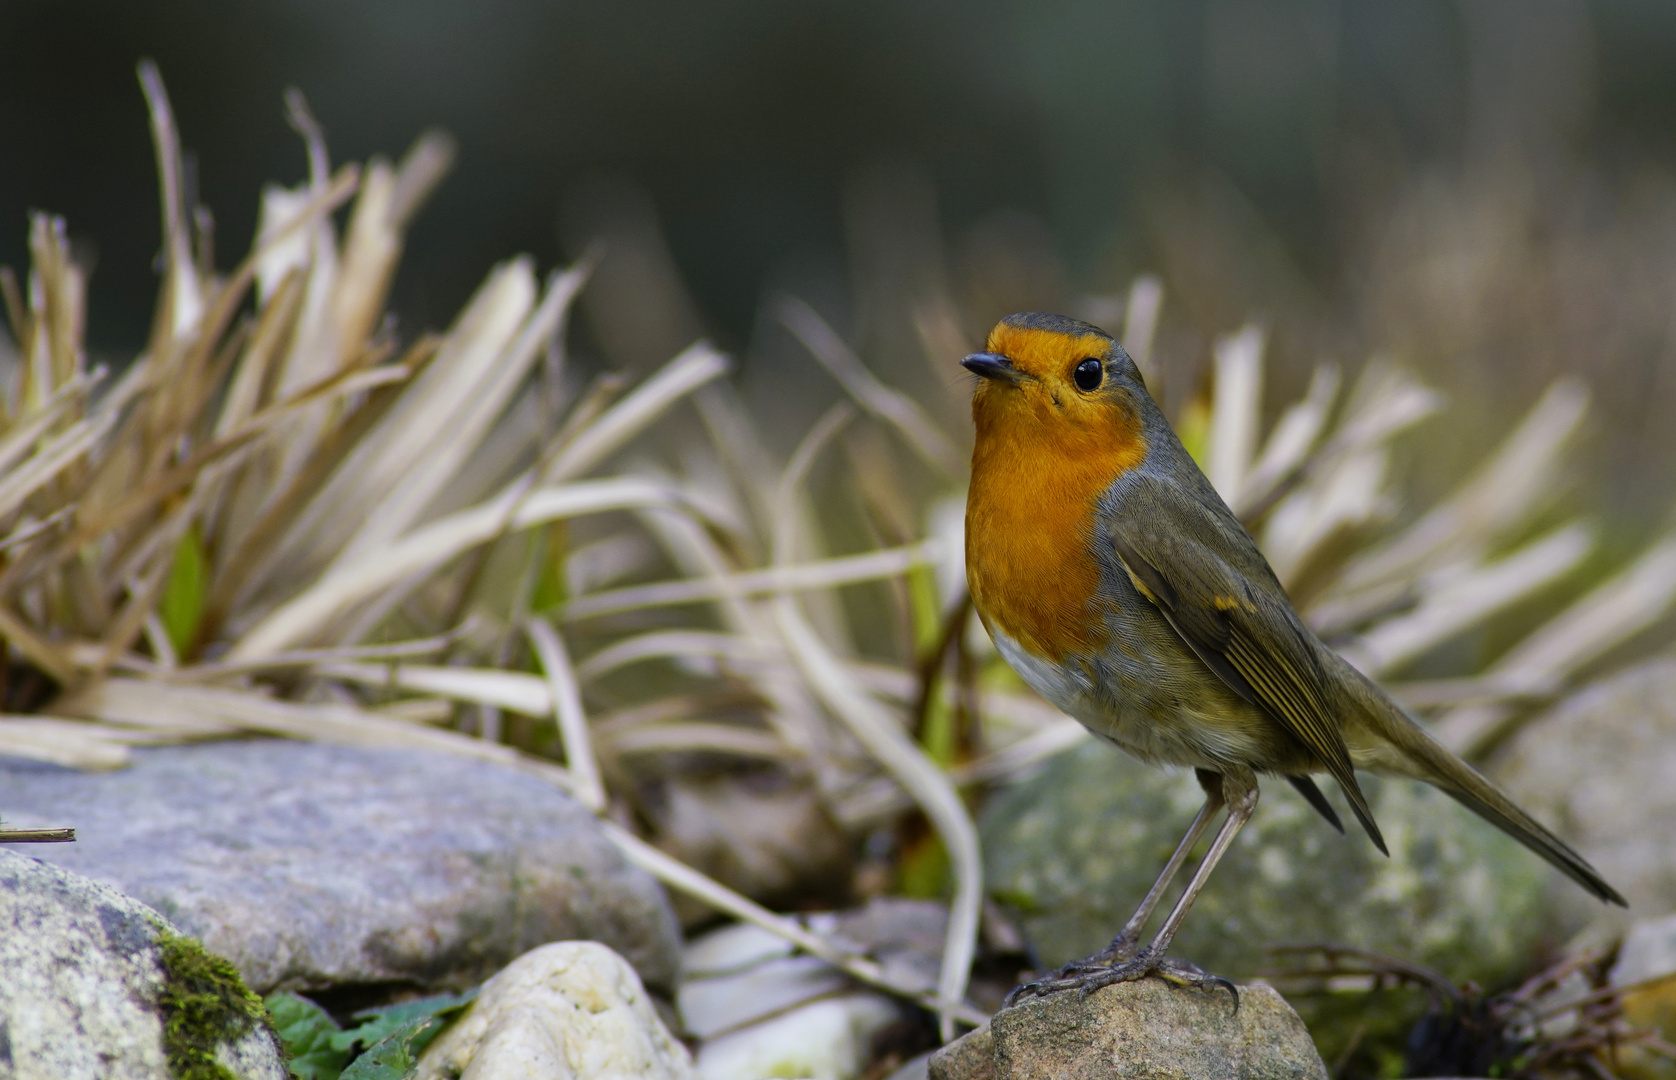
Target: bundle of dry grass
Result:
[[281, 519]]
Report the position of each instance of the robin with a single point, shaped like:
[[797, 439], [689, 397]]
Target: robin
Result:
[[1119, 585]]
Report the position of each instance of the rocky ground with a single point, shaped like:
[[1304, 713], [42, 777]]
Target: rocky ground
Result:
[[514, 939]]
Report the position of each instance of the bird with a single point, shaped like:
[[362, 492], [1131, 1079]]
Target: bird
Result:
[[1119, 585]]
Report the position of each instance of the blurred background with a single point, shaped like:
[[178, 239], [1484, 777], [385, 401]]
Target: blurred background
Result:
[[1484, 190]]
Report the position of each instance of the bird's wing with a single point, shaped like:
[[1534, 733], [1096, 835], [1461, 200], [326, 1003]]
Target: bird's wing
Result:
[[1200, 568]]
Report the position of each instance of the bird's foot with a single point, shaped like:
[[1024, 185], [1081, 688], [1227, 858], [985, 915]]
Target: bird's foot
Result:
[[1087, 976], [1121, 949]]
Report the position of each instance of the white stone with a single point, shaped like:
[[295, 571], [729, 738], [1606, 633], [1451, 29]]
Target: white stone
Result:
[[573, 1010], [827, 1040], [725, 1002], [731, 949], [1648, 952]]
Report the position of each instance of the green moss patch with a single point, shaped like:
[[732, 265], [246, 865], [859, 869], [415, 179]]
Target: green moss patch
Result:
[[204, 1005]]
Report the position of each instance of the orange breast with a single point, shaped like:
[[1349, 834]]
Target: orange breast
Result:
[[1030, 524]]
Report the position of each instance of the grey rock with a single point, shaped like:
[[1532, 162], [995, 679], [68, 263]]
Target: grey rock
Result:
[[1599, 769], [1074, 849], [84, 981], [1148, 1029], [310, 865]]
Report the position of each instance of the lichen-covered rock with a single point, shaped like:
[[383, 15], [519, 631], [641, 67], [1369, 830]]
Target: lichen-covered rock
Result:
[[1074, 849], [310, 865], [1146, 1030], [1597, 768], [97, 986], [573, 1010]]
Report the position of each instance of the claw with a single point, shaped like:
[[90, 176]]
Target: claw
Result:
[[1186, 973]]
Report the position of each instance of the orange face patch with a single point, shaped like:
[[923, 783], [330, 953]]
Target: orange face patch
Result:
[[1045, 452], [1043, 353]]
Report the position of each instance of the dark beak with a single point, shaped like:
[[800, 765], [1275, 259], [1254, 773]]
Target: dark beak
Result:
[[993, 366]]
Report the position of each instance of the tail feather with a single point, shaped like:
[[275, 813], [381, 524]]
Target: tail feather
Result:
[[1424, 758]]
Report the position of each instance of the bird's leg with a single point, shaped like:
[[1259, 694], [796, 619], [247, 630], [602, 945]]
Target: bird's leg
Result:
[[1238, 789], [1128, 939]]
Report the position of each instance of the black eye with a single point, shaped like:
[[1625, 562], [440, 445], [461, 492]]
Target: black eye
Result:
[[1088, 375]]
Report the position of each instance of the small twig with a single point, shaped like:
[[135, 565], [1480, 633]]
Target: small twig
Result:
[[679, 875], [1604, 994], [38, 836]]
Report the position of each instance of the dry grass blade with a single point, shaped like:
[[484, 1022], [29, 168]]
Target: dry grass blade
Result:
[[897, 409], [660, 644], [49, 657], [388, 200], [1288, 447], [336, 523], [58, 454], [70, 743], [1140, 326], [464, 406], [431, 545], [392, 651], [1456, 601], [1501, 495], [1235, 411], [630, 416], [567, 710], [515, 691], [682, 738], [846, 570], [181, 285], [884, 738], [24, 437], [143, 704], [1606, 617], [1624, 605]]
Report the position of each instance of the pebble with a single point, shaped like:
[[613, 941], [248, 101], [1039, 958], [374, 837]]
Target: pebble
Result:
[[572, 1010]]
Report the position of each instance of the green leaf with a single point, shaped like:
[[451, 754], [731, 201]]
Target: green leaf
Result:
[[181, 607], [383, 1022], [923, 870], [308, 1035], [548, 547], [397, 1054], [925, 609]]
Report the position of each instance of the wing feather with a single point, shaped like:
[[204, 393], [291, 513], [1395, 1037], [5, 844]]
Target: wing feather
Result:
[[1255, 643]]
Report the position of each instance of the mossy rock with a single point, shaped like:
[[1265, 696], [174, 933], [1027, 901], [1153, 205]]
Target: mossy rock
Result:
[[98, 985], [1074, 849], [208, 1012]]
